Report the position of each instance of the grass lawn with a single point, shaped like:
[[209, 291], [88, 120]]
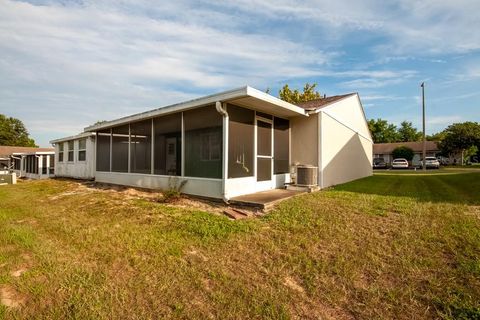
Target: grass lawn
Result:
[[388, 246]]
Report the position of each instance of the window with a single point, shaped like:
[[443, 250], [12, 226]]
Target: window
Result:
[[120, 138], [241, 132], [60, 152], [82, 149], [71, 151], [141, 146], [281, 148], [168, 145], [203, 142], [103, 150]]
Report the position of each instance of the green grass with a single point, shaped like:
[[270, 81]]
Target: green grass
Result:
[[388, 246]]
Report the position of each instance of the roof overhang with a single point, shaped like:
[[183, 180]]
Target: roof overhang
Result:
[[78, 136], [246, 96], [38, 153]]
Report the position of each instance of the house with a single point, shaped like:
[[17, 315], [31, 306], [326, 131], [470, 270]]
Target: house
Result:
[[384, 150], [233, 143], [27, 162], [75, 156]]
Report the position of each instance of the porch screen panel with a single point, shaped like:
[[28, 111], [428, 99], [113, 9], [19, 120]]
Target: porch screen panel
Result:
[[241, 134], [203, 142], [44, 164], [120, 149], [141, 147], [281, 148], [103, 150], [168, 145], [264, 138], [264, 169]]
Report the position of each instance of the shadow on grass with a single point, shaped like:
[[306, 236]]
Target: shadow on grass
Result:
[[459, 188]]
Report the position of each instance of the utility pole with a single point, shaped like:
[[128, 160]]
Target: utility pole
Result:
[[424, 150]]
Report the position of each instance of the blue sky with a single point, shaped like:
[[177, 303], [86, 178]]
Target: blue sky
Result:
[[66, 64]]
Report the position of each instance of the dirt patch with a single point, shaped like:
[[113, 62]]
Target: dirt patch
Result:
[[17, 273], [11, 298], [292, 284]]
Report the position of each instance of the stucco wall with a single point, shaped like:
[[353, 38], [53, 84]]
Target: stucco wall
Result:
[[349, 111], [304, 140], [76, 169], [346, 155]]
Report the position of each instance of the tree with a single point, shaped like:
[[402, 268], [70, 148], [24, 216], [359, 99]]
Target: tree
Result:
[[295, 96], [439, 136], [382, 131], [403, 152], [407, 132], [14, 133], [460, 137]]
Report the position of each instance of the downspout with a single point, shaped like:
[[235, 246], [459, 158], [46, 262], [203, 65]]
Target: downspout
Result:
[[223, 112]]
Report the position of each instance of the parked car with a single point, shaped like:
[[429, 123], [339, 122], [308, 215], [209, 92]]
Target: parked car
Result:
[[431, 163], [400, 163], [379, 163]]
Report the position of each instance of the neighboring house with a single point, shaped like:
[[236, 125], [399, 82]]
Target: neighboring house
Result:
[[384, 150], [75, 156], [233, 143], [26, 162]]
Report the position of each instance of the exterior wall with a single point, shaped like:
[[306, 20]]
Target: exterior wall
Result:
[[304, 140], [76, 169], [240, 186], [346, 154], [349, 111], [204, 187]]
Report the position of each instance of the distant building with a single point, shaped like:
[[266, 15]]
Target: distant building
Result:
[[384, 150], [27, 162]]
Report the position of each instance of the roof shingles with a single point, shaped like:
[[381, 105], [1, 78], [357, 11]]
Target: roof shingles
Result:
[[322, 102]]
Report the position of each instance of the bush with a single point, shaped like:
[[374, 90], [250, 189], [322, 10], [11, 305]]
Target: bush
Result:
[[403, 152], [174, 191]]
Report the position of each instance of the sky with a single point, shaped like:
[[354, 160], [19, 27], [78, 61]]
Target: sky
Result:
[[66, 64]]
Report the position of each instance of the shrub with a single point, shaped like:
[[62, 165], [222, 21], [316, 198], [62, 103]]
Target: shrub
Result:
[[403, 152], [174, 191]]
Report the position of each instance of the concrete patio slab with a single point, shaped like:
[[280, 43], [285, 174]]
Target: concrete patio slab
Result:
[[264, 200]]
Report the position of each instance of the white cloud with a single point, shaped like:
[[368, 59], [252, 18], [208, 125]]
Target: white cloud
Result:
[[443, 120]]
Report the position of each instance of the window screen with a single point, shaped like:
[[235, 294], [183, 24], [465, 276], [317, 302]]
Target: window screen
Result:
[[141, 146], [241, 131], [264, 169], [82, 146], [44, 164], [120, 139], [103, 150], [281, 148], [168, 149], [70, 151], [264, 138], [60, 152], [51, 168], [203, 142]]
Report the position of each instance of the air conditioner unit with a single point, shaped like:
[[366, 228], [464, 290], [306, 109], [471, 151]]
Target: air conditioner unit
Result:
[[307, 176]]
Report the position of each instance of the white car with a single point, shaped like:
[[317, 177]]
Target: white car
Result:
[[400, 163], [431, 162]]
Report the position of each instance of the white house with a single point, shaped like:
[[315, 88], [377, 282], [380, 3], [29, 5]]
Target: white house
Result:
[[75, 156], [224, 145], [33, 164]]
